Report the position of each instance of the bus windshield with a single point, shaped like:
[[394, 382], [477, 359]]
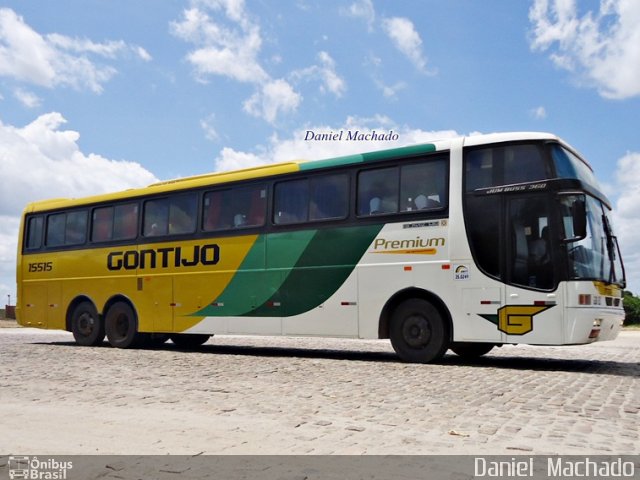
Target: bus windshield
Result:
[[568, 165], [596, 255]]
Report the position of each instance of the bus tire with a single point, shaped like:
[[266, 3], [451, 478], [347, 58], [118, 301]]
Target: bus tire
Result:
[[471, 350], [86, 325], [121, 325], [189, 340], [418, 331]]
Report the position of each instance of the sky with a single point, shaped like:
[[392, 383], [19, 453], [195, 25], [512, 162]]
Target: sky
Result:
[[104, 95]]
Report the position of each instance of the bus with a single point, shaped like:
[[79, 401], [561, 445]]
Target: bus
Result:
[[464, 244]]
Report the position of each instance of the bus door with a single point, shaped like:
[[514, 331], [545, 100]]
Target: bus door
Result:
[[532, 304]]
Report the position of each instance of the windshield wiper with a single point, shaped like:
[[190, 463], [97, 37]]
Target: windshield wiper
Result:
[[612, 242]]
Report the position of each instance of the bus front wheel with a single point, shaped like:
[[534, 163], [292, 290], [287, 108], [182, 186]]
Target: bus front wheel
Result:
[[86, 325], [418, 331], [121, 325]]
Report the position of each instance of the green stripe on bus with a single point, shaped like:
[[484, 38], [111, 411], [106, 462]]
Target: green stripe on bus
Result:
[[303, 270], [253, 285], [399, 152], [369, 157], [332, 162], [324, 266]]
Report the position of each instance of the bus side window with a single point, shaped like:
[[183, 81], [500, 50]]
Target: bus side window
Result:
[[170, 216], [378, 191], [76, 228], [329, 197], [257, 211], [423, 186], [156, 217], [55, 230], [102, 225], [182, 214], [291, 202], [34, 233], [66, 228], [242, 207], [115, 223], [125, 221], [212, 211]]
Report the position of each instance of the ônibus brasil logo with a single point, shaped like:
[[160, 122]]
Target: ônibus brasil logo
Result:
[[38, 469]]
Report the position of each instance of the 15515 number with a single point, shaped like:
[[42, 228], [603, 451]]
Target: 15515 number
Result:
[[40, 267]]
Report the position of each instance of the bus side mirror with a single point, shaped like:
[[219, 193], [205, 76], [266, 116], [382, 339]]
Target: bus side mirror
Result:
[[574, 217], [579, 214]]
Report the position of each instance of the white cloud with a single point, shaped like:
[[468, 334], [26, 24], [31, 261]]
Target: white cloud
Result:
[[220, 50], [28, 99], [55, 60], [626, 218], [361, 9], [274, 97], [390, 91], [230, 159], [601, 48], [207, 124], [404, 36], [142, 53], [326, 73], [539, 113], [230, 49], [41, 160]]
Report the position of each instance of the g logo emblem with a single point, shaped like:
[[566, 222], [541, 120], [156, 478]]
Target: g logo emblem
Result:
[[518, 319]]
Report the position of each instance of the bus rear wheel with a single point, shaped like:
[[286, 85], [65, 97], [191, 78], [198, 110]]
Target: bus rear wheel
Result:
[[86, 325], [418, 331], [121, 325], [189, 340], [471, 349]]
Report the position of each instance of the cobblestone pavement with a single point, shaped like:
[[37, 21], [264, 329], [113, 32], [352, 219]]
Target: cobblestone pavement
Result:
[[253, 395]]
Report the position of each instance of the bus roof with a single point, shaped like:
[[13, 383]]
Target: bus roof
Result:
[[275, 169]]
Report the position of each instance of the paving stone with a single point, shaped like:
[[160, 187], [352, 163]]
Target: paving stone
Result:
[[272, 395]]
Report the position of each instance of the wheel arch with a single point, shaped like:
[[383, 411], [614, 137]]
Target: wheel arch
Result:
[[73, 305], [405, 294], [119, 298]]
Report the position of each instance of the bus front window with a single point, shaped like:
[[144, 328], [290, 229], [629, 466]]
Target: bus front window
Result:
[[594, 255]]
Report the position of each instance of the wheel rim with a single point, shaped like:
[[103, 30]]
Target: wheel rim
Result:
[[86, 324], [416, 331]]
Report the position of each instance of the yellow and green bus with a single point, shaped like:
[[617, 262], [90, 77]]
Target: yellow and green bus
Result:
[[461, 244]]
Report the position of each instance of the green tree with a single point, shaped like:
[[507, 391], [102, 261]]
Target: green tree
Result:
[[631, 308]]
